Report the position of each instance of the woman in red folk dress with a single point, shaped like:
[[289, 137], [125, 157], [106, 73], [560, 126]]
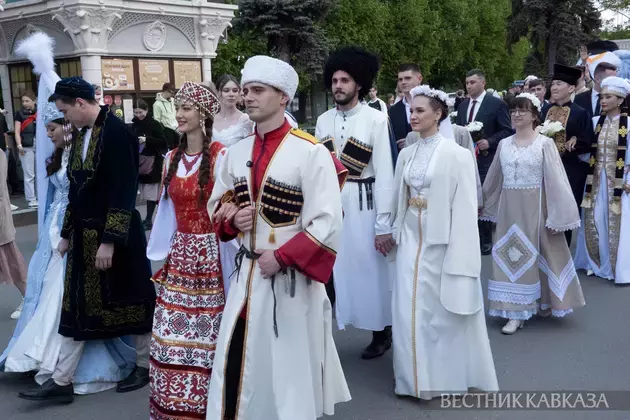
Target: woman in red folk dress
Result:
[[190, 296]]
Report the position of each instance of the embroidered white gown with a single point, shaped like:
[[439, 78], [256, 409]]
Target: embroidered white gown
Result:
[[435, 350], [532, 266]]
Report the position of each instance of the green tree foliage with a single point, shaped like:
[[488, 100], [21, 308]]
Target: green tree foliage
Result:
[[615, 4], [445, 37], [291, 29], [231, 55], [555, 29]]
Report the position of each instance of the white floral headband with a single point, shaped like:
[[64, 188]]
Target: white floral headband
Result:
[[533, 98], [425, 90]]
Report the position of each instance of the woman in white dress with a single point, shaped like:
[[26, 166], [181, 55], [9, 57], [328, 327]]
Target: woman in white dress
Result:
[[438, 318], [532, 268], [231, 125]]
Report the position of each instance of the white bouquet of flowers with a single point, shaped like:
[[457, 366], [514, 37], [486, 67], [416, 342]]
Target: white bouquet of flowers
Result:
[[453, 116], [551, 128], [475, 128]]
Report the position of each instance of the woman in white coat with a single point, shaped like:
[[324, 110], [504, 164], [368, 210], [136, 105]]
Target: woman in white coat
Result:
[[438, 319]]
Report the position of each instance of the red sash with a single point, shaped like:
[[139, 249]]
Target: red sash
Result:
[[31, 119]]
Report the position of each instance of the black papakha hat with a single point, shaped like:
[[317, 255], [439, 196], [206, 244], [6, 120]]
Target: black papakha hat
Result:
[[567, 74], [357, 62]]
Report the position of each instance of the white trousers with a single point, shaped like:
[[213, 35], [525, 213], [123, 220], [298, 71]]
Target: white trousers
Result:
[[71, 351], [28, 167]]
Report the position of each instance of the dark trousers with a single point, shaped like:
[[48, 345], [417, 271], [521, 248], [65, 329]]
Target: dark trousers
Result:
[[577, 172], [234, 367]]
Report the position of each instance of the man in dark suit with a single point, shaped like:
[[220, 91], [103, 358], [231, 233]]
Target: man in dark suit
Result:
[[589, 99], [494, 114], [409, 77]]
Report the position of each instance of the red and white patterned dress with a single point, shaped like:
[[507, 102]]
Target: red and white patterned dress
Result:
[[189, 305]]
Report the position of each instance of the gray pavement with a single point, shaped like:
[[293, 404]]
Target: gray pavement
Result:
[[589, 350]]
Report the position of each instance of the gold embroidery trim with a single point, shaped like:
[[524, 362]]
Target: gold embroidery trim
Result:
[[290, 213], [118, 221], [283, 200], [418, 203], [286, 190], [560, 114], [68, 277], [93, 290], [318, 243]]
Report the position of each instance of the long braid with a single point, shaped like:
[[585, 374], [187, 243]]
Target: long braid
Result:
[[204, 167], [172, 168]]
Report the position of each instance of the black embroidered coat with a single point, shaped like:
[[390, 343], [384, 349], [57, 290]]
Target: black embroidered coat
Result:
[[121, 300], [578, 124]]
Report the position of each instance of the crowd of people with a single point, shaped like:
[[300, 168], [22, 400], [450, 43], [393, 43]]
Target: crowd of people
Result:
[[264, 230]]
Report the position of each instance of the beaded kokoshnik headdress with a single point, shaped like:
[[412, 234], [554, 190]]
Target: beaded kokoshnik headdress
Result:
[[201, 98]]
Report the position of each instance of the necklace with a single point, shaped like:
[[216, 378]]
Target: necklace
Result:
[[190, 164]]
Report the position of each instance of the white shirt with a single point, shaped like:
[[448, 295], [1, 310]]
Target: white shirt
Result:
[[86, 142], [407, 109], [477, 106], [594, 97]]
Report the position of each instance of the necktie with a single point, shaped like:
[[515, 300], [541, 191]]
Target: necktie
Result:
[[598, 107], [472, 112]]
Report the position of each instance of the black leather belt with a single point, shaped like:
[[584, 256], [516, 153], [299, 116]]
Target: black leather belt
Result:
[[368, 183]]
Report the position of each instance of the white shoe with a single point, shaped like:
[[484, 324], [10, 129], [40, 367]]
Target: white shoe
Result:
[[14, 207], [33, 204], [18, 311], [512, 326], [589, 273]]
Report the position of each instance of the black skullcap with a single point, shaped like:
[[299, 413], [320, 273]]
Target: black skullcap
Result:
[[73, 87], [567, 74], [360, 64]]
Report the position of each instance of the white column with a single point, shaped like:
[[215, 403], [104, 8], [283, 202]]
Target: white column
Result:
[[91, 67], [206, 69], [6, 94]]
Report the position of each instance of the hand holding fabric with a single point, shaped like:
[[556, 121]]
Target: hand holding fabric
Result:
[[227, 212], [384, 243], [244, 219], [267, 262]]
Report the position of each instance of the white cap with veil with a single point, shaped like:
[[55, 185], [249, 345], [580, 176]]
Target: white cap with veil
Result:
[[38, 49]]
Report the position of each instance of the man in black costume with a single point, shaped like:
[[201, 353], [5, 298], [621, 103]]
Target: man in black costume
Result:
[[107, 288], [577, 136]]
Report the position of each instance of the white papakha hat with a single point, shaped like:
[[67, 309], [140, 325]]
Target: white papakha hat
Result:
[[271, 71]]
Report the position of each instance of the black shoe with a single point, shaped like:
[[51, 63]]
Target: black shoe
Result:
[[50, 391], [137, 379], [381, 342]]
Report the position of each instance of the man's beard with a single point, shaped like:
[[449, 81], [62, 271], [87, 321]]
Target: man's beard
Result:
[[345, 100]]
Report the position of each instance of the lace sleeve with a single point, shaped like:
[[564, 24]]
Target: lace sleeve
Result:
[[246, 124], [492, 186], [562, 211]]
